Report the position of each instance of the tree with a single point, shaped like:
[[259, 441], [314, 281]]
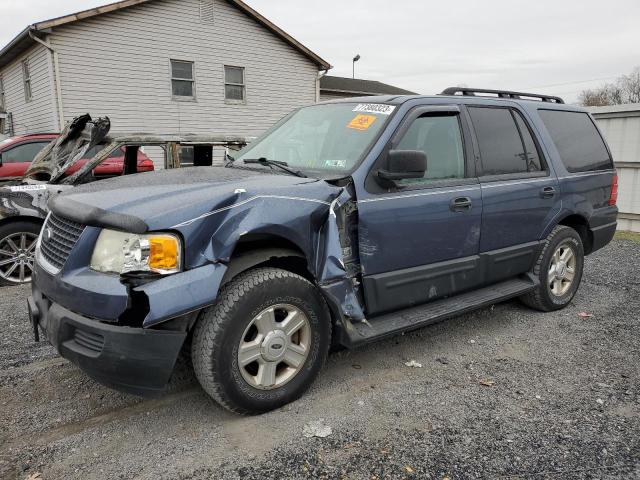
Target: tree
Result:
[[626, 89]]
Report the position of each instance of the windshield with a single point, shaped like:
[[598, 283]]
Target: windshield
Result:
[[329, 138]]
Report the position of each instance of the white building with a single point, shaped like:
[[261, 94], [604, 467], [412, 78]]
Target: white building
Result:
[[620, 125], [161, 66]]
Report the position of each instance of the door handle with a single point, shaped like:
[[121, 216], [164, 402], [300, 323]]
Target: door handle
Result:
[[547, 192], [460, 204]]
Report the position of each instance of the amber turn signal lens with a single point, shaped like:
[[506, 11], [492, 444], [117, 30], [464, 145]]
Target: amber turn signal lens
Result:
[[164, 253]]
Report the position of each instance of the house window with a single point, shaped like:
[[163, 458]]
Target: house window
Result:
[[26, 80], [183, 84], [234, 87], [2, 106]]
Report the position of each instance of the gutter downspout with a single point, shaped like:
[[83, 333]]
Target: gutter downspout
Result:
[[320, 75], [56, 74]]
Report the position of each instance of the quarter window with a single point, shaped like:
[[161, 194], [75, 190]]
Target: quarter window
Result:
[[440, 138], [579, 143], [182, 80], [234, 87], [502, 141], [26, 80]]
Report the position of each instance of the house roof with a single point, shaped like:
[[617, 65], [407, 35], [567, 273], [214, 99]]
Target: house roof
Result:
[[357, 86], [24, 40]]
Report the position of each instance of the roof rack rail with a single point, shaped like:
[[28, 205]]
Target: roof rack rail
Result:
[[500, 93]]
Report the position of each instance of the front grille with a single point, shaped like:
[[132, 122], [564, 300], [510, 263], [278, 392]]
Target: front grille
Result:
[[59, 236], [90, 341]]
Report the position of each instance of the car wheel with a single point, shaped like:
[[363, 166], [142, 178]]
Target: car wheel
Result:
[[559, 269], [17, 251], [264, 341]]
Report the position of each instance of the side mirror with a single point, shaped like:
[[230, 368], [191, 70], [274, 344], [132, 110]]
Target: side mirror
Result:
[[403, 164]]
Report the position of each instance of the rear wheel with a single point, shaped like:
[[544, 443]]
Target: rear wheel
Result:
[[17, 252], [263, 343], [559, 269]]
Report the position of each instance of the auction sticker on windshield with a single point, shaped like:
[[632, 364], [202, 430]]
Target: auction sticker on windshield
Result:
[[375, 108], [362, 122]]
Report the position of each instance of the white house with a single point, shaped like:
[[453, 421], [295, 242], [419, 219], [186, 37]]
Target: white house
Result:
[[161, 66]]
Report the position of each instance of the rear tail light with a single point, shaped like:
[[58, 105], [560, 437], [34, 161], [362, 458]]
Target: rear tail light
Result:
[[613, 198]]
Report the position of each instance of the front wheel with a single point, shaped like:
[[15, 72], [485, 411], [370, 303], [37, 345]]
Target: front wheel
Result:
[[559, 269], [17, 251], [264, 341]]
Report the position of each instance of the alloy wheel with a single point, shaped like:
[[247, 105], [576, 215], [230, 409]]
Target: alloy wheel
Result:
[[274, 346], [562, 270], [17, 254]]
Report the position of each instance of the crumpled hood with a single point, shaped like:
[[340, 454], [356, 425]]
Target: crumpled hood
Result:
[[164, 199]]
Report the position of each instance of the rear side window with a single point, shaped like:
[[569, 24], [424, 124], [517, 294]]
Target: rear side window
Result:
[[505, 142], [578, 141], [534, 164]]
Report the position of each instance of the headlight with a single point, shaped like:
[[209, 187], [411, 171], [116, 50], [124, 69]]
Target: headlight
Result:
[[120, 252]]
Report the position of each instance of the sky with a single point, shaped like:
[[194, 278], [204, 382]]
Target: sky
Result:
[[557, 47]]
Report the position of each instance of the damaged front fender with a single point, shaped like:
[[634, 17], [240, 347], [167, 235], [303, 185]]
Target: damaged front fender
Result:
[[323, 228]]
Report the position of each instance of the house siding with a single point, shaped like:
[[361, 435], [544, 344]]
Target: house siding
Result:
[[620, 126], [118, 64], [38, 115]]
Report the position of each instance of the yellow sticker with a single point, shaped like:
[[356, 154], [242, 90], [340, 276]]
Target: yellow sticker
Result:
[[362, 122]]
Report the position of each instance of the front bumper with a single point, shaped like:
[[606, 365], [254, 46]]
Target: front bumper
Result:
[[134, 360]]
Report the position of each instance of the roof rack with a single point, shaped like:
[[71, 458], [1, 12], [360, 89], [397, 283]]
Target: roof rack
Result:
[[500, 93]]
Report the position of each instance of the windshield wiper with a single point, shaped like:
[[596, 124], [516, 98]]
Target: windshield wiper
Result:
[[275, 163]]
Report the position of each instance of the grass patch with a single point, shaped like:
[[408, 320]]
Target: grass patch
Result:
[[633, 236]]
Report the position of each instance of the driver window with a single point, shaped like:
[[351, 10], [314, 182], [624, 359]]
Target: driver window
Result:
[[440, 138]]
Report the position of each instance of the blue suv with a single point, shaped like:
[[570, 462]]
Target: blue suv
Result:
[[347, 222]]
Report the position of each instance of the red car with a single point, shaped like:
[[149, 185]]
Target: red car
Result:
[[16, 154]]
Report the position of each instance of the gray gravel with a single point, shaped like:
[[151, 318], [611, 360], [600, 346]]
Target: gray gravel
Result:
[[504, 392]]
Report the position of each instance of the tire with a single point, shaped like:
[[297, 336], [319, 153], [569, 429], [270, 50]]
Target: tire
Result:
[[555, 293], [17, 249], [249, 319]]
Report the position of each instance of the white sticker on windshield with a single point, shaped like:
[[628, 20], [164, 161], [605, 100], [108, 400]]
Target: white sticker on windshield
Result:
[[380, 108], [27, 188], [335, 163]]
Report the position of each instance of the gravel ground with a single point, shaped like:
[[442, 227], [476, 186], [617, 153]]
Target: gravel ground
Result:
[[504, 392]]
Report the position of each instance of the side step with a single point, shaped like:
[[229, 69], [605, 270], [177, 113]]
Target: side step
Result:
[[415, 317]]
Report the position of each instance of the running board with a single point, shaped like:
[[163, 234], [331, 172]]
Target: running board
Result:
[[415, 317]]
